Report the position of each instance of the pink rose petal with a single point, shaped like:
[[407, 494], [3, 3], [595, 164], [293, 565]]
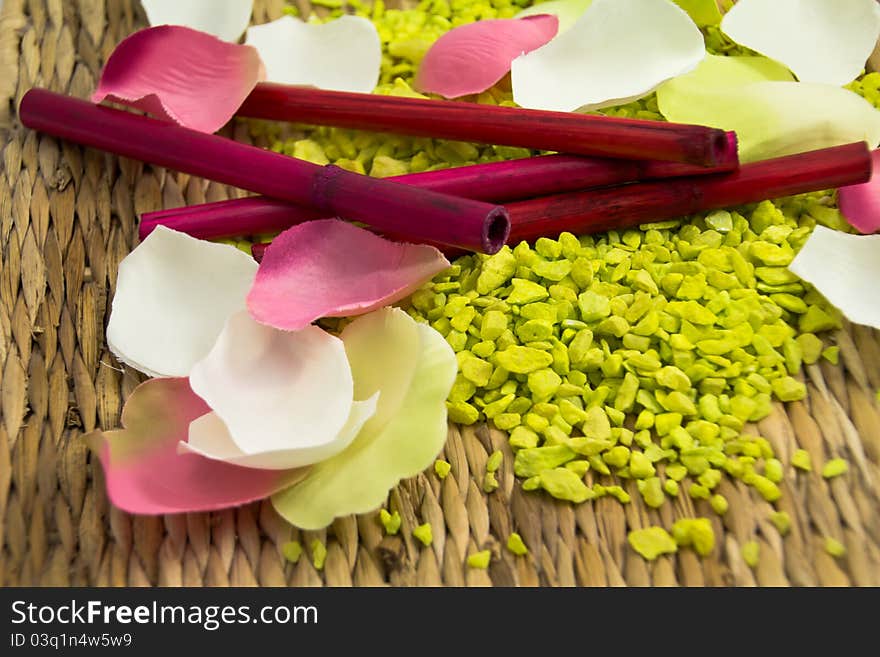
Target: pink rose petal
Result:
[[860, 204], [471, 58], [184, 75], [145, 473], [330, 268]]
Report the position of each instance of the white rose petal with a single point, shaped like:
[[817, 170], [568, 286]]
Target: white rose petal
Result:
[[342, 55], [227, 19], [173, 295], [278, 391], [845, 269], [617, 51], [824, 41], [209, 436]]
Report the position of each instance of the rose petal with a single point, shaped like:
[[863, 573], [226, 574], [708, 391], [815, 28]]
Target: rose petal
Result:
[[209, 436], [617, 51], [227, 19], [567, 11], [845, 269], [145, 474], [278, 390], [189, 77], [719, 72], [860, 204], [413, 367], [702, 12], [330, 268], [771, 117], [824, 41], [173, 295], [471, 58], [342, 55]]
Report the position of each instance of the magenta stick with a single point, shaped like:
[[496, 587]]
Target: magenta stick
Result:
[[613, 208], [565, 132], [498, 182], [629, 205], [416, 214]]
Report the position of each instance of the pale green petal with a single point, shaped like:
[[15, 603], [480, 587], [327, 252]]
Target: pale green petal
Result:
[[771, 115], [719, 72], [567, 11], [413, 368], [703, 12]]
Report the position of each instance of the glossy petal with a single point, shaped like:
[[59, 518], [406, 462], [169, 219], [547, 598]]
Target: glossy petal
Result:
[[330, 268], [860, 204], [413, 368], [719, 72], [471, 58], [567, 11], [772, 117], [209, 436], [227, 20], [617, 51], [189, 77], [825, 41], [278, 390], [342, 55], [144, 472], [173, 295], [702, 12], [845, 269]]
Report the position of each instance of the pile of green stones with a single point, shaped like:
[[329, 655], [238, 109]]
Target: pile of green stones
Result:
[[645, 354], [619, 352]]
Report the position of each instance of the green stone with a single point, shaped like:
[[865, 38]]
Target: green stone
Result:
[[476, 370], [651, 542], [462, 413], [563, 484], [544, 384], [534, 330], [525, 291], [523, 360], [493, 325], [533, 461], [496, 271]]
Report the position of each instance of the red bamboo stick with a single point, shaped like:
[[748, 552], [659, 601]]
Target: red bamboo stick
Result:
[[554, 131], [613, 207], [495, 181], [384, 205], [630, 205]]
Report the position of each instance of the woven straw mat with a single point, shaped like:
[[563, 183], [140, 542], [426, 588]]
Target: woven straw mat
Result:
[[68, 216]]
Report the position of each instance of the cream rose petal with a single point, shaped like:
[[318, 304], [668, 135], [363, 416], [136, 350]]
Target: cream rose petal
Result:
[[173, 295], [209, 437], [227, 19], [825, 41], [617, 51], [278, 390], [845, 269], [773, 119], [342, 55], [703, 12], [413, 368]]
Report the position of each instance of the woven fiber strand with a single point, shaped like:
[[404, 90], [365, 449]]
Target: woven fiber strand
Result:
[[68, 216]]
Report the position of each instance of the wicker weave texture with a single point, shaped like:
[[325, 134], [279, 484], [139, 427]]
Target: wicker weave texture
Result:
[[67, 218]]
